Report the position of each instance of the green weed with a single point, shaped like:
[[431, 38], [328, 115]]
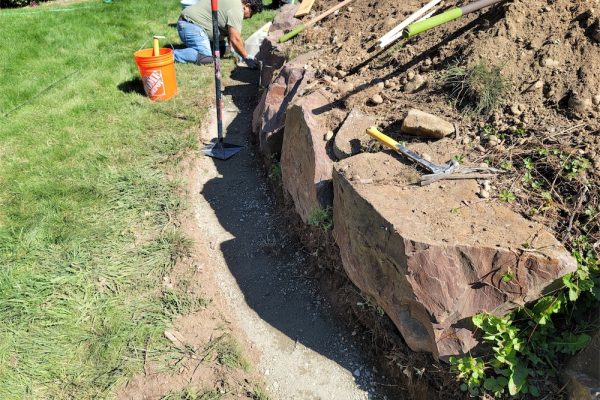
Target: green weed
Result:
[[227, 352], [194, 394], [259, 393], [528, 343], [480, 88], [507, 196], [321, 217]]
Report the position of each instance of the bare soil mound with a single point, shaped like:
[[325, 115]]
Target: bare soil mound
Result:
[[543, 126]]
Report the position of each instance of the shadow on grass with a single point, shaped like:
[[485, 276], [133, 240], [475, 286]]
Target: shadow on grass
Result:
[[134, 85]]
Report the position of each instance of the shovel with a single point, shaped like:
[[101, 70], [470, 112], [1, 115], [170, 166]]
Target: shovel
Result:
[[220, 149]]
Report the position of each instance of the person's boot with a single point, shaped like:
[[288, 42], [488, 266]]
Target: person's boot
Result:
[[203, 60]]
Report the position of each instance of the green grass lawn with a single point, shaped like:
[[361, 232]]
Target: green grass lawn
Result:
[[85, 237]]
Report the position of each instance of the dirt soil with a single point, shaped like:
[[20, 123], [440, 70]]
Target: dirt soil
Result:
[[546, 50]]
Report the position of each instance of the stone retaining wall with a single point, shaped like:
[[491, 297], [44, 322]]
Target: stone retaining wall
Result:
[[431, 257]]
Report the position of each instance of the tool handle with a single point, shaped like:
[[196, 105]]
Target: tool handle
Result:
[[214, 5], [328, 12], [477, 5], [285, 37], [382, 138], [419, 27]]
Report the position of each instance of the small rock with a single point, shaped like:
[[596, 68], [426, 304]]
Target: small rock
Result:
[[466, 140], [345, 87], [549, 62], [516, 109], [484, 194], [596, 100], [328, 136], [388, 84], [417, 83], [380, 85], [487, 185], [377, 99], [356, 372], [579, 105], [493, 139], [340, 74], [410, 75], [480, 148], [424, 124], [334, 79]]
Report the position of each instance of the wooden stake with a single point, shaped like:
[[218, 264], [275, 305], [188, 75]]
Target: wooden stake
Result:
[[304, 8]]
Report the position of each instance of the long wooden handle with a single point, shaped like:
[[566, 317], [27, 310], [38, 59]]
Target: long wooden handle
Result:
[[301, 27], [328, 12]]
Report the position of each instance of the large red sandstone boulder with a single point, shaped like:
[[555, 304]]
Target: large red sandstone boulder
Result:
[[269, 116], [434, 256], [271, 53], [305, 165]]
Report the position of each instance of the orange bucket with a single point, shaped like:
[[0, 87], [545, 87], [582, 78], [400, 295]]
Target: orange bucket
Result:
[[158, 73]]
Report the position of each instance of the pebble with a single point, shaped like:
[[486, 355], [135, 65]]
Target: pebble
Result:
[[417, 83], [377, 99], [410, 75], [466, 140], [328, 136], [345, 87], [596, 99], [493, 139], [380, 85], [480, 148], [487, 185], [388, 84], [341, 74], [516, 109], [356, 372], [484, 194], [549, 62]]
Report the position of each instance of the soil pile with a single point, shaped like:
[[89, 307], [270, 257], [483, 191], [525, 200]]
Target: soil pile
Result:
[[543, 124]]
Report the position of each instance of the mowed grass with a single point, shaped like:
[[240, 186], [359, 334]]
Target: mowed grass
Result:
[[85, 203]]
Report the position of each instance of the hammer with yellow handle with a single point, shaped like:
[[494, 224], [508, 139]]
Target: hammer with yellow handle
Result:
[[411, 155]]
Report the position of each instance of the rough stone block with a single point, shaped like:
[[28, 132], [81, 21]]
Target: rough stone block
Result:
[[426, 125], [305, 165], [352, 135], [270, 54], [269, 116], [431, 261]]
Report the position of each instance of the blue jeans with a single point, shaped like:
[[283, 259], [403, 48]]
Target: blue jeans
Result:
[[195, 40]]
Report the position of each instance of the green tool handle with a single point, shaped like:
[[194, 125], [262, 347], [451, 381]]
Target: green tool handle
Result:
[[292, 33], [422, 26]]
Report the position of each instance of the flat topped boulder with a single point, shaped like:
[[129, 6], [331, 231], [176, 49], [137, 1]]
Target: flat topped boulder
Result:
[[434, 256]]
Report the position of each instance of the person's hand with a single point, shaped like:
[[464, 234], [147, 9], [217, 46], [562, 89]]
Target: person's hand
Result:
[[251, 62]]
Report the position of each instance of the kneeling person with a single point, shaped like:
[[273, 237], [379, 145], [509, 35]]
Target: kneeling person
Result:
[[196, 31]]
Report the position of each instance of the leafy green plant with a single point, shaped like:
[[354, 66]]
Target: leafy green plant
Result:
[[275, 171], [480, 87], [527, 344], [507, 196], [321, 217]]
